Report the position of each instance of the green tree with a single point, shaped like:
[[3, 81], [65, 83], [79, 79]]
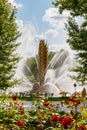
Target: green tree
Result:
[[77, 33], [76, 7], [32, 65], [78, 41], [50, 56], [8, 45]]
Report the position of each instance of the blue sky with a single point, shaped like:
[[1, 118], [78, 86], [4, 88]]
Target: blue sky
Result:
[[34, 11], [39, 19]]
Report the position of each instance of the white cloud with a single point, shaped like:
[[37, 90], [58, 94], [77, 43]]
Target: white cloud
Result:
[[51, 33], [55, 19], [58, 47], [39, 36], [20, 24], [27, 39], [14, 3]]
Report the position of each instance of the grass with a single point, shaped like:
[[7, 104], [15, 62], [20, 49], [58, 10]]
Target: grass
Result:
[[32, 98]]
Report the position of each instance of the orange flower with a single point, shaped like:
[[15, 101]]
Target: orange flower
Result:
[[40, 107], [46, 102]]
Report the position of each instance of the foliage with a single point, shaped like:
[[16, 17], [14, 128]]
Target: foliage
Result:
[[78, 41], [44, 115], [77, 33], [76, 7], [50, 55], [32, 65], [8, 45]]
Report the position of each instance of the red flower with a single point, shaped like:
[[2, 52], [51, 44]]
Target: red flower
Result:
[[14, 97], [71, 98], [82, 127], [66, 121], [22, 112], [20, 123], [60, 118], [78, 102], [65, 126], [72, 112], [54, 118]]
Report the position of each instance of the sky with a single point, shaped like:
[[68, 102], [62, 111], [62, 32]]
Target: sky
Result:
[[39, 19]]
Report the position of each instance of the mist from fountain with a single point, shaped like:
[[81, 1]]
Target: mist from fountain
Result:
[[60, 69], [25, 84], [57, 76]]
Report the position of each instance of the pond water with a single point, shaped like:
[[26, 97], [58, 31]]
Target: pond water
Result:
[[28, 105]]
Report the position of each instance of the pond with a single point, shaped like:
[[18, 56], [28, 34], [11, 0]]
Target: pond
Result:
[[28, 105]]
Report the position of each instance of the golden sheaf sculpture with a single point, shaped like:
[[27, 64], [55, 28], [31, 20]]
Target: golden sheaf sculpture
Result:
[[42, 60]]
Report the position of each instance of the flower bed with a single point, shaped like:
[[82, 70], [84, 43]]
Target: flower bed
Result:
[[44, 115]]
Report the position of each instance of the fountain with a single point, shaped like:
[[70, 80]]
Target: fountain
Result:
[[53, 77]]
